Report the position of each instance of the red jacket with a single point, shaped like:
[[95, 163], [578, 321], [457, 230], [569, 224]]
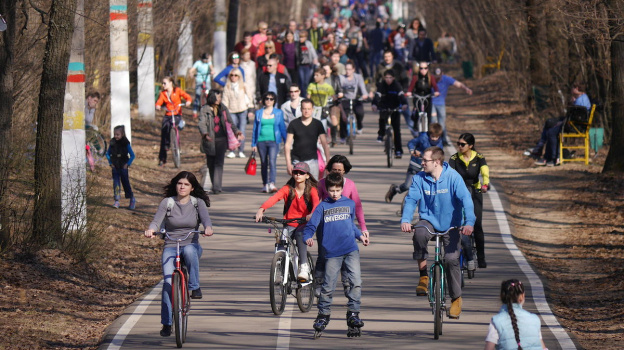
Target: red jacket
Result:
[[174, 101], [298, 207]]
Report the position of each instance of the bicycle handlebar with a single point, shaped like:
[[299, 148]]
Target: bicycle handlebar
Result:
[[435, 233], [420, 97], [270, 220], [165, 235]]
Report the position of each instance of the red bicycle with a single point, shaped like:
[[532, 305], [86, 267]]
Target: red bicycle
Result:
[[180, 293]]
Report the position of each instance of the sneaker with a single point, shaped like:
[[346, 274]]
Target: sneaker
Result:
[[343, 141], [540, 162], [241, 155], [471, 265], [231, 155], [359, 131], [380, 139], [423, 286], [455, 309], [272, 188], [116, 205], [481, 263], [528, 153], [304, 273], [161, 163], [550, 163], [196, 294], [165, 331], [398, 155], [265, 188], [132, 204], [391, 192]]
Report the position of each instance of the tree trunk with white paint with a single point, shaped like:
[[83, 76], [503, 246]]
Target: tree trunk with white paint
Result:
[[73, 168], [219, 39], [120, 74], [145, 57], [185, 47]]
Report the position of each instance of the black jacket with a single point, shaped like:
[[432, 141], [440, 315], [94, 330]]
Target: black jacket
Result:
[[282, 83]]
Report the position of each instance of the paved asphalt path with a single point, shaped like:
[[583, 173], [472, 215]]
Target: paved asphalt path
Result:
[[235, 312]]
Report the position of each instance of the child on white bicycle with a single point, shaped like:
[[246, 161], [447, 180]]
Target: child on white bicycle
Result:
[[417, 147], [300, 199], [422, 84]]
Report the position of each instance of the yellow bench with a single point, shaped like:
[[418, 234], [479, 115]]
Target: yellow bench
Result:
[[573, 130], [493, 62]]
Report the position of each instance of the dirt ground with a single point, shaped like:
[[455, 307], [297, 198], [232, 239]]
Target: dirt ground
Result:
[[567, 220]]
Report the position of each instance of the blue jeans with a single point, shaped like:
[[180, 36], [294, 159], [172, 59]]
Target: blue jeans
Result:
[[191, 254], [351, 263], [268, 157], [375, 59], [409, 121], [240, 119], [305, 75], [198, 97], [441, 119], [120, 178]]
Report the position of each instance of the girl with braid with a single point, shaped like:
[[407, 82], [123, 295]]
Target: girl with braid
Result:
[[513, 327]]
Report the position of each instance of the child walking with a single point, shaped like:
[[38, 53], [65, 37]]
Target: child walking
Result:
[[333, 221], [513, 327], [300, 198], [120, 157]]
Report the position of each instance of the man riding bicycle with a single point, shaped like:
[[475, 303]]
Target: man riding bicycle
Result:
[[421, 85], [390, 96], [444, 202]]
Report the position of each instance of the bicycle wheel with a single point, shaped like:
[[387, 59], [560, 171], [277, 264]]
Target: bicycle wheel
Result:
[[474, 255], [96, 143], [351, 133], [179, 322], [389, 146], [305, 294], [277, 289], [175, 147], [437, 291]]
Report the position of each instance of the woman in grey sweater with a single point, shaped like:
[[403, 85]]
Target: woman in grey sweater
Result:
[[184, 207]]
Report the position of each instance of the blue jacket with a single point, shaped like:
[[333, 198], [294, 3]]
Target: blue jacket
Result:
[[421, 143], [221, 78], [279, 127], [528, 326], [336, 230], [443, 203]]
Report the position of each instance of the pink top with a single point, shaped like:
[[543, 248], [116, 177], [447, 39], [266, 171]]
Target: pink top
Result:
[[350, 191]]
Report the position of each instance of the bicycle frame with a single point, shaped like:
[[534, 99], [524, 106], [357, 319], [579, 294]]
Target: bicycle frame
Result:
[[180, 269], [284, 243], [420, 105], [438, 261]]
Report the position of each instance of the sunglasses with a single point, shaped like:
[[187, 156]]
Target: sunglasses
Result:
[[234, 75], [423, 68], [298, 172], [461, 144], [269, 99]]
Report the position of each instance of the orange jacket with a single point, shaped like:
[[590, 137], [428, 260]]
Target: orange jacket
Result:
[[173, 102]]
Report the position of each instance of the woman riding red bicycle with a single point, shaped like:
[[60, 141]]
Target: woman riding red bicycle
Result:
[[184, 207]]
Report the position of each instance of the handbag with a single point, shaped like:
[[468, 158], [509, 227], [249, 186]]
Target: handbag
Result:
[[233, 142], [250, 167]]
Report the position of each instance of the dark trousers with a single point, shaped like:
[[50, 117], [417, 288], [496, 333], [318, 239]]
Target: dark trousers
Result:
[[396, 126], [477, 200], [165, 136], [358, 109], [215, 163], [120, 178]]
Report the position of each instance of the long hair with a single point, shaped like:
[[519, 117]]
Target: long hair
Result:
[[310, 183], [170, 189], [469, 138], [241, 83], [511, 291]]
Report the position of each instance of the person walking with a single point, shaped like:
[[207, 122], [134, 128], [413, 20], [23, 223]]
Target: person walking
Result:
[[470, 165], [290, 60], [439, 102], [233, 62], [292, 107], [249, 71], [203, 72], [269, 130], [214, 118], [307, 60], [273, 81], [120, 157], [240, 104]]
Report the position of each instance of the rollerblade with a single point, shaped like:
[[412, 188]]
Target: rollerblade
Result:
[[319, 325], [354, 323]]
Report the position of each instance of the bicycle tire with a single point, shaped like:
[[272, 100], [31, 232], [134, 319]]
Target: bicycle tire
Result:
[[177, 309], [277, 290], [175, 147], [389, 147], [96, 143], [351, 133], [437, 313], [305, 295], [471, 273]]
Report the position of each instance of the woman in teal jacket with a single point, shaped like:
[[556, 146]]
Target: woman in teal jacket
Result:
[[269, 131]]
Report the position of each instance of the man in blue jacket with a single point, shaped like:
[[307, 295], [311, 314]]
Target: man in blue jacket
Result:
[[444, 202]]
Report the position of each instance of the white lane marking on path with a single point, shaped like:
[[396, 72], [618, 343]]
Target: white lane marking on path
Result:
[[125, 329], [537, 288], [283, 332]]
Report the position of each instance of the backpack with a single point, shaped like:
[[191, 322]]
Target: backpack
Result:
[[288, 201], [171, 203]]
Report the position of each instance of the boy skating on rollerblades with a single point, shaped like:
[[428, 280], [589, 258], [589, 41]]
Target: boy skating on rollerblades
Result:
[[333, 220]]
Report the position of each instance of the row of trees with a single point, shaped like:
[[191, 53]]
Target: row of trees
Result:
[[551, 44]]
